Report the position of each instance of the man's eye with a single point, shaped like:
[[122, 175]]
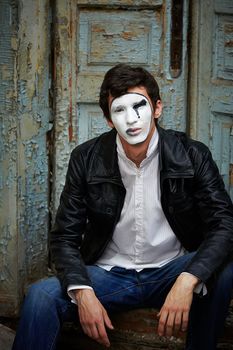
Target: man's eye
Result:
[[118, 110]]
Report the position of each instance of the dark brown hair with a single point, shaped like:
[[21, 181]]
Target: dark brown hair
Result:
[[122, 77]]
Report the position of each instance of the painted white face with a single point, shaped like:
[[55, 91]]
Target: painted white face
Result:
[[131, 115]]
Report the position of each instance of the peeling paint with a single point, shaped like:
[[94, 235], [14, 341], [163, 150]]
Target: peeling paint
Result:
[[123, 3], [211, 87], [8, 154], [228, 43], [6, 238], [24, 116]]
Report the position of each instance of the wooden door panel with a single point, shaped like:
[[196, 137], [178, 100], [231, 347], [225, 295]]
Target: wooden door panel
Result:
[[123, 38], [221, 141], [223, 57], [221, 88], [107, 36], [90, 121], [214, 112]]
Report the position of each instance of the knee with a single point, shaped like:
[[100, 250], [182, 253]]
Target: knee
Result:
[[48, 289]]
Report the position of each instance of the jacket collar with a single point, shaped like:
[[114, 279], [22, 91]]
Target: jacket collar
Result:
[[174, 159], [104, 164]]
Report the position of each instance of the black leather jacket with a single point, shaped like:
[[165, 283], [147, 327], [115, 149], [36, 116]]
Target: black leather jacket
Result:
[[193, 199]]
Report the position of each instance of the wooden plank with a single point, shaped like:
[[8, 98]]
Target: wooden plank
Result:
[[6, 337], [136, 330]]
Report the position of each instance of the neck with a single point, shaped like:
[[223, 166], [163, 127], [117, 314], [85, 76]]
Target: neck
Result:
[[137, 153]]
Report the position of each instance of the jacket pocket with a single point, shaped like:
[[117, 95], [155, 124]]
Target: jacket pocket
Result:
[[180, 202], [99, 205]]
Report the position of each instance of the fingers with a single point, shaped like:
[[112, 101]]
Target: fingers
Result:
[[185, 319], [103, 337], [174, 313], [162, 322], [97, 332], [177, 322], [91, 331], [93, 322], [171, 322], [107, 320], [102, 334], [168, 320]]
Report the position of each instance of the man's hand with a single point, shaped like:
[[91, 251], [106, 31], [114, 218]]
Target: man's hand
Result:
[[93, 316], [174, 314]]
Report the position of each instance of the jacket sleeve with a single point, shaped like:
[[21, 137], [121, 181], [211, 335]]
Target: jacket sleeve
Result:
[[70, 223], [216, 210]]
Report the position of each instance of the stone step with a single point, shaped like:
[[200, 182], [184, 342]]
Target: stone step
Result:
[[6, 337], [136, 330]]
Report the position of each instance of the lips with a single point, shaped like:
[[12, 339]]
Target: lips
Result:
[[133, 131]]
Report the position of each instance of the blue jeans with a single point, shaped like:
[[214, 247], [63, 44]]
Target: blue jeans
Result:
[[46, 306]]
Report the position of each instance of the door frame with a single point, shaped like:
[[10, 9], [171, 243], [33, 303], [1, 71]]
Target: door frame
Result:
[[194, 68]]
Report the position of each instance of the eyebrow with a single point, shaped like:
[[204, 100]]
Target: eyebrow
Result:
[[128, 93], [140, 104], [118, 107]]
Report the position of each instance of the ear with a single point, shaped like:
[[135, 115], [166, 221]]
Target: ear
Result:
[[158, 109], [110, 123]]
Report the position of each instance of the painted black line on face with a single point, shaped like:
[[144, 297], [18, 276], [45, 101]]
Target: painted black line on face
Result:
[[138, 105]]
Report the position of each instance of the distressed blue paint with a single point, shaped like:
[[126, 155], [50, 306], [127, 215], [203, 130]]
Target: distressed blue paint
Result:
[[220, 143], [8, 241], [215, 84], [24, 116], [109, 37], [7, 84]]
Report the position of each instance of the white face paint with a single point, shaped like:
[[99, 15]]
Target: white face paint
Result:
[[132, 117]]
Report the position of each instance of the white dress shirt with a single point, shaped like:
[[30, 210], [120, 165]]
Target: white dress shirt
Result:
[[143, 237]]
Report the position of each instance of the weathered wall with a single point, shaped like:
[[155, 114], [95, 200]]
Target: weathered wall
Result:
[[24, 122], [8, 154]]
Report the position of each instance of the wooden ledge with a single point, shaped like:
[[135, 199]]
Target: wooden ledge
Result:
[[135, 330]]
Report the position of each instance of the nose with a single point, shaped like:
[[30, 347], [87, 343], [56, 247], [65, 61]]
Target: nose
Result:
[[131, 116]]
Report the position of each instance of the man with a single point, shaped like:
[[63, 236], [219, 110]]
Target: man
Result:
[[144, 221]]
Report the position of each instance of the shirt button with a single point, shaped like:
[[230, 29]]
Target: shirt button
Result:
[[109, 211], [171, 210]]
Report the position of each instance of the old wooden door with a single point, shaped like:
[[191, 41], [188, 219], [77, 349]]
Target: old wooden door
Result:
[[91, 37], [212, 81], [24, 122]]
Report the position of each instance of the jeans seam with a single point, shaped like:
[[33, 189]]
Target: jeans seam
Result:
[[159, 280], [119, 291], [60, 311], [137, 285], [54, 342]]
